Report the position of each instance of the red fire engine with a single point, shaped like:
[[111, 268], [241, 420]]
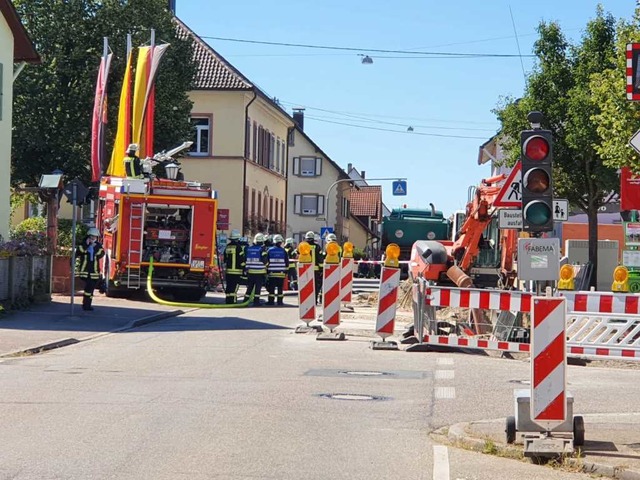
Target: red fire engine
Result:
[[172, 222]]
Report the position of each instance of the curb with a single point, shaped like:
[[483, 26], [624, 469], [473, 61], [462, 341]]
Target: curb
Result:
[[64, 342], [457, 433]]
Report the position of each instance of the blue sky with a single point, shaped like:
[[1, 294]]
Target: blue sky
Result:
[[436, 96]]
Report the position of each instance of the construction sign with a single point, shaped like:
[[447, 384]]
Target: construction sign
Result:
[[511, 193]]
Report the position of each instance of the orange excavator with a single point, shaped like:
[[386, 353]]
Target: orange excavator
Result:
[[480, 254]]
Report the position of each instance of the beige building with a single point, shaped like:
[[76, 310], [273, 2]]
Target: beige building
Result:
[[16, 48], [240, 145]]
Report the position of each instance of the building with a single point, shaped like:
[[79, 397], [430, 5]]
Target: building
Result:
[[16, 48], [318, 188], [241, 143], [367, 207]]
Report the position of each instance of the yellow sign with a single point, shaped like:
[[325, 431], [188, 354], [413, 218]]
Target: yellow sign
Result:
[[304, 252], [392, 253]]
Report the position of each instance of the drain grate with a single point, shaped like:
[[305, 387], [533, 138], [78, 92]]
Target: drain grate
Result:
[[363, 373], [351, 396]]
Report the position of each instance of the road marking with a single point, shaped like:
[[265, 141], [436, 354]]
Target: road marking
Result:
[[445, 374], [440, 462], [444, 361], [445, 392]]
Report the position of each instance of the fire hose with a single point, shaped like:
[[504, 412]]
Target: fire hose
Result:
[[161, 301]]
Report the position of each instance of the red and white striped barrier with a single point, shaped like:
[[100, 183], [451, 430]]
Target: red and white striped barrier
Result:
[[549, 362], [306, 292], [331, 295], [478, 298], [387, 301], [346, 279], [379, 262], [602, 302], [478, 343]]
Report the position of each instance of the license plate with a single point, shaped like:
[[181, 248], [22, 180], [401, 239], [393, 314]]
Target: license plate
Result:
[[197, 263]]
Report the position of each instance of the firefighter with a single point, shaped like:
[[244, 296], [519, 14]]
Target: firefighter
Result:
[[87, 255], [256, 268], [234, 261], [277, 266], [317, 258], [292, 254], [332, 238], [132, 165], [268, 241]]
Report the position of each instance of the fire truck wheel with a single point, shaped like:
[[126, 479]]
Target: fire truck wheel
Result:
[[188, 294]]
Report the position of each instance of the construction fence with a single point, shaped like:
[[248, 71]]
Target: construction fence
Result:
[[24, 279], [598, 325]]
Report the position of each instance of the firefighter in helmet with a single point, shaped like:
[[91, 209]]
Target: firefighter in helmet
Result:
[[234, 262], [132, 164], [277, 266], [256, 268], [87, 255], [317, 258], [292, 254]]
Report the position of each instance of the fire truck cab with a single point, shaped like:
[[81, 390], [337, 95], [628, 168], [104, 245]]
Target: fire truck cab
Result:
[[170, 222]]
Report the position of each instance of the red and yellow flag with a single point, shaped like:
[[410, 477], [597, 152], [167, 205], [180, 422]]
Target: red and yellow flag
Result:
[[123, 135]]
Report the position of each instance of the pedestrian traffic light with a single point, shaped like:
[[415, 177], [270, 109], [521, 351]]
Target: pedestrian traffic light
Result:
[[537, 184]]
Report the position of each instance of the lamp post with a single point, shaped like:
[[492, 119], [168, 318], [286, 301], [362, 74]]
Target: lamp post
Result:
[[326, 198]]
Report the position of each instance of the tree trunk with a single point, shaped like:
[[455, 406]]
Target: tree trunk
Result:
[[592, 215]]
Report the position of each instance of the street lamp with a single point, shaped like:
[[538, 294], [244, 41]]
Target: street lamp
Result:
[[326, 198], [172, 171]]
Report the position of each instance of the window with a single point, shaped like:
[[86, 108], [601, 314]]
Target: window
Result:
[[345, 207], [259, 204], [307, 166], [278, 155], [255, 142], [246, 202], [202, 136], [247, 138], [308, 204], [253, 201], [272, 149]]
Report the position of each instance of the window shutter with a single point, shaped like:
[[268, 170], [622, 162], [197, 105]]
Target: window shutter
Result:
[[297, 201], [318, 167], [296, 165], [320, 209]]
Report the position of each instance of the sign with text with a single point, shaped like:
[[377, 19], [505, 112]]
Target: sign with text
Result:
[[223, 219], [510, 219], [538, 258]]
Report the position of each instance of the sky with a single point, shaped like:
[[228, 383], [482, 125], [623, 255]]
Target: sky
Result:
[[360, 113]]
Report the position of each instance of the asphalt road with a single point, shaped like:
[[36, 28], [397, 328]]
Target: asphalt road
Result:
[[203, 396]]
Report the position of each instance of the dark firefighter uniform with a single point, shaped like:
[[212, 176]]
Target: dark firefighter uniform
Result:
[[234, 262], [277, 266], [292, 274], [87, 255], [256, 271]]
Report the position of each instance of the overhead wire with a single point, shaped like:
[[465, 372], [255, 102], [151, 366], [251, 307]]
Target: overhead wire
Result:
[[413, 125]]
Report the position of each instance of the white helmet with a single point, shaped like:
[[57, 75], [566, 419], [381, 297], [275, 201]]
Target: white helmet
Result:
[[133, 147], [309, 235], [278, 239], [259, 238], [332, 237], [288, 241], [235, 235], [93, 232]]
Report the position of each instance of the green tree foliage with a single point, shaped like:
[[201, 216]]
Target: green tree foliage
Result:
[[563, 87], [53, 102]]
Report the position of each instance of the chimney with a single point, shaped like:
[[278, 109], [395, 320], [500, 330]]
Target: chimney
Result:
[[172, 6], [298, 117], [362, 174], [349, 167]]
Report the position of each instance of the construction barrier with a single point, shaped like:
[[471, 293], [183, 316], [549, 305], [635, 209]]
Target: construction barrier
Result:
[[387, 301], [346, 279], [306, 285], [598, 325], [331, 287]]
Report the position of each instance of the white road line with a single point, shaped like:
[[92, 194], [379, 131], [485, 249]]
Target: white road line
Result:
[[445, 374], [445, 392], [444, 361], [440, 462]]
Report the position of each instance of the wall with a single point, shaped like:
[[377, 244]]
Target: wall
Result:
[[358, 235], [579, 231], [6, 60]]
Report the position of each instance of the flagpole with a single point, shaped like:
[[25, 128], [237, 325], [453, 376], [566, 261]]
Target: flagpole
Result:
[[128, 127], [102, 153], [150, 107]]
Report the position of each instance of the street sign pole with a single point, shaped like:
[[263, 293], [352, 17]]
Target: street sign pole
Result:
[[74, 201]]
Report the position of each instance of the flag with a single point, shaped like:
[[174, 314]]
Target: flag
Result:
[[123, 135], [629, 190], [99, 119], [139, 98]]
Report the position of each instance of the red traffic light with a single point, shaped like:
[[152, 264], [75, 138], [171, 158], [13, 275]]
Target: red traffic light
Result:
[[536, 148]]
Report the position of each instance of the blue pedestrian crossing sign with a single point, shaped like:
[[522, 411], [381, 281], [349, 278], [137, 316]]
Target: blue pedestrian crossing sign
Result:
[[324, 231], [399, 187]]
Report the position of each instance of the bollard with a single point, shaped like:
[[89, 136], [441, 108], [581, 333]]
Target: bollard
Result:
[[306, 289], [331, 293], [388, 298]]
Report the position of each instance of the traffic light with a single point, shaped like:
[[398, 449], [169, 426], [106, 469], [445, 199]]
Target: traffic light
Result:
[[537, 184]]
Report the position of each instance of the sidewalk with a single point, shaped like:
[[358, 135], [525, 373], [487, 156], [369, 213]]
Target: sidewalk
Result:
[[611, 447], [50, 325]]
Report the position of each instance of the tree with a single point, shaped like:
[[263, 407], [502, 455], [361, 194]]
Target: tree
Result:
[[562, 88], [53, 102]]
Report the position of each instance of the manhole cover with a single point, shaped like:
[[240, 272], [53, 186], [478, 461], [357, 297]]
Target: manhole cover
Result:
[[521, 382], [351, 396], [363, 373]]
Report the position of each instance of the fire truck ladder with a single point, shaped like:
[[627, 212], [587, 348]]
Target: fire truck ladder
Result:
[[136, 226]]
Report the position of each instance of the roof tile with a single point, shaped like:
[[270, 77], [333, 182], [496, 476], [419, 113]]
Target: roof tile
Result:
[[366, 201]]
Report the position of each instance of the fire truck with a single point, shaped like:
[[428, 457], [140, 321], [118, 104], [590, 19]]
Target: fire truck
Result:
[[171, 223]]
